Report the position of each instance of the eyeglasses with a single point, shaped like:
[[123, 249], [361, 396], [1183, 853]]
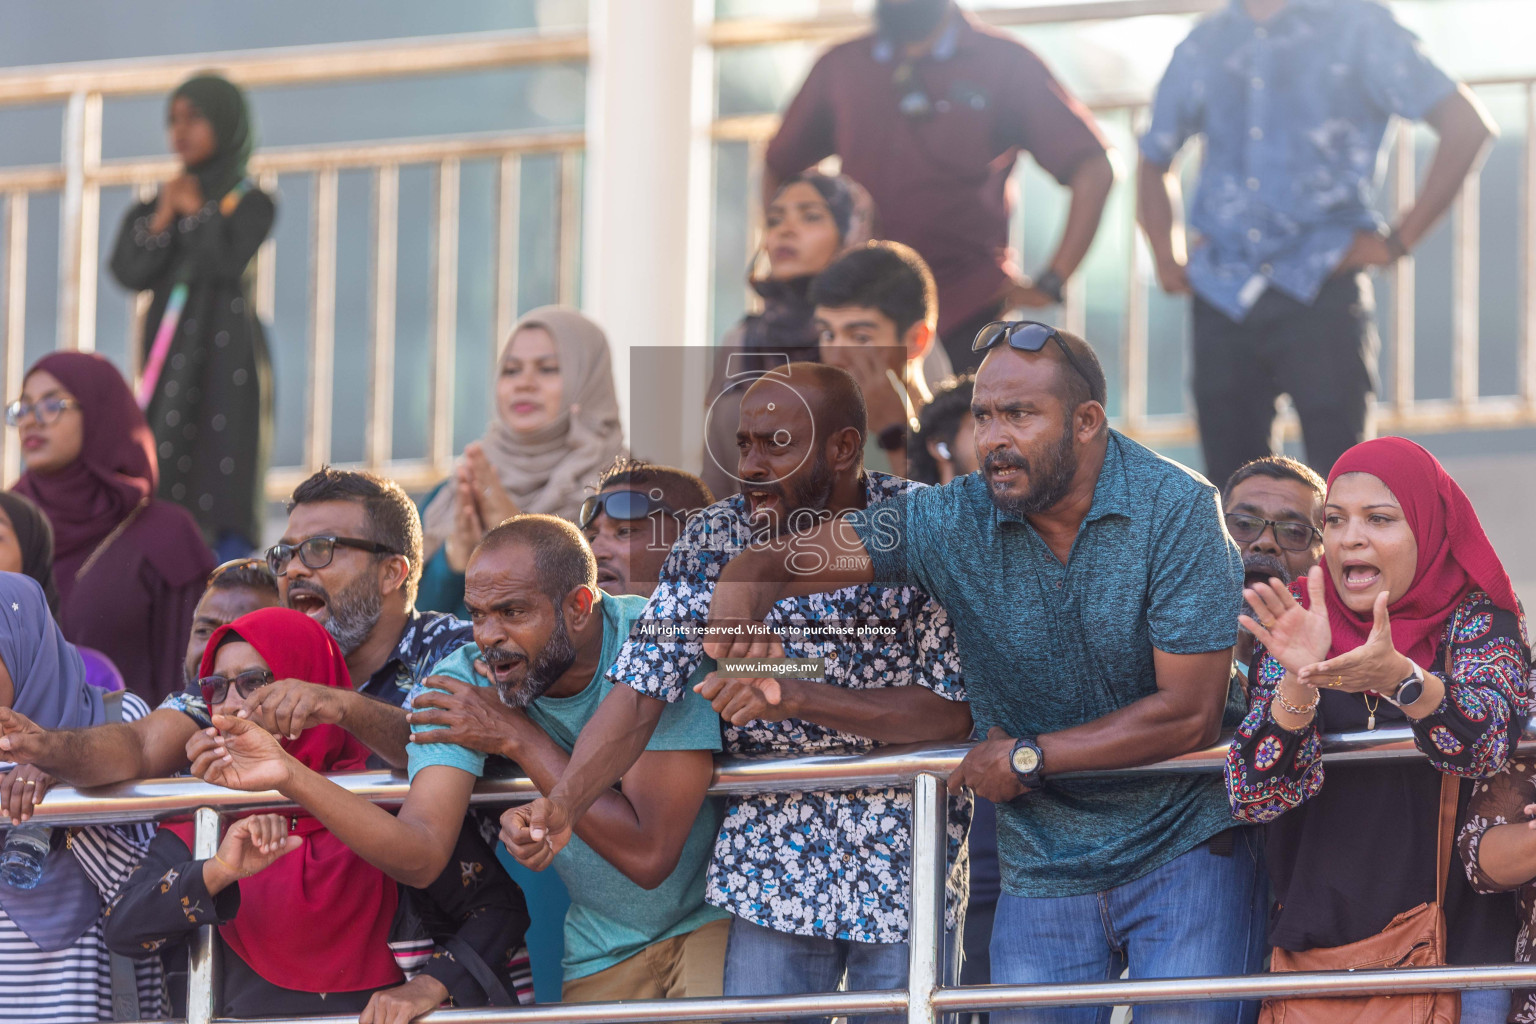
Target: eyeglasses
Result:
[[216, 688], [1026, 336], [622, 505], [45, 410], [317, 552], [1291, 536]]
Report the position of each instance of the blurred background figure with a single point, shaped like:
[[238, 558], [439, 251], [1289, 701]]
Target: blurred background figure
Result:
[[929, 114], [207, 382], [809, 220], [1293, 100], [945, 446], [556, 428], [129, 567]]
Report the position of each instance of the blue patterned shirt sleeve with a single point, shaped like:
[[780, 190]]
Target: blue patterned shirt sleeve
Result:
[[1177, 107], [190, 703], [1394, 69]]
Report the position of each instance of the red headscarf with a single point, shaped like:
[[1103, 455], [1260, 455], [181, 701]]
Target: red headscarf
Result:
[[317, 919], [1455, 556], [116, 469]]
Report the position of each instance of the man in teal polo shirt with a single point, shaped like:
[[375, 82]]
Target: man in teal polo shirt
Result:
[[545, 636], [1094, 593]]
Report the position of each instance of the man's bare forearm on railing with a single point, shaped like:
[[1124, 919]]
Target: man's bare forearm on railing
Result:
[[149, 747], [606, 748]]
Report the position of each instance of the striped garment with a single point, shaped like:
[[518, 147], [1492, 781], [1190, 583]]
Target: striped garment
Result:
[[75, 984]]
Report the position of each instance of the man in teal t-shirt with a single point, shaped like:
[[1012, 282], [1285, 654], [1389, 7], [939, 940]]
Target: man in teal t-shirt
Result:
[[638, 926]]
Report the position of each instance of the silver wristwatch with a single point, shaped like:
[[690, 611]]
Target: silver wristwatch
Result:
[[1408, 691]]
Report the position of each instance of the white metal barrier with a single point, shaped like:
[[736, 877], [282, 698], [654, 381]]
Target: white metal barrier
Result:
[[925, 769]]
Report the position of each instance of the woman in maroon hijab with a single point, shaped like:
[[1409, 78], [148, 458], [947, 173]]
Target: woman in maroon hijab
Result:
[[130, 568]]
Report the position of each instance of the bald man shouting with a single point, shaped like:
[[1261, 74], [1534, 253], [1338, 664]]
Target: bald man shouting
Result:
[[818, 884]]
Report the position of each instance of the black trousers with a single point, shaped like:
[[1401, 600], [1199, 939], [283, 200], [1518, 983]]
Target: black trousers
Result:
[[1322, 355]]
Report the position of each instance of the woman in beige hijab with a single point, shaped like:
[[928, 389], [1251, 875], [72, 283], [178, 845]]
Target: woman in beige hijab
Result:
[[556, 427]]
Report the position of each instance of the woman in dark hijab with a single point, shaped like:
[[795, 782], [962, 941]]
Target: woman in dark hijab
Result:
[[129, 567], [207, 383]]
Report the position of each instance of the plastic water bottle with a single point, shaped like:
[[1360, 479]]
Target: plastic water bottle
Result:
[[26, 849]]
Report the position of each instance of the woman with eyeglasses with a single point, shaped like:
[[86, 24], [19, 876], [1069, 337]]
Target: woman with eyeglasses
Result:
[[129, 567], [56, 965], [1411, 624], [308, 928], [206, 387], [556, 427]]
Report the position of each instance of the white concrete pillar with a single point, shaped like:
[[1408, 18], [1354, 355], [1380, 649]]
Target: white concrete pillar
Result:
[[643, 162]]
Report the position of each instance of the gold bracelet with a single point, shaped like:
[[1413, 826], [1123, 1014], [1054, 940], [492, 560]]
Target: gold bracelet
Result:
[[228, 867], [1317, 696]]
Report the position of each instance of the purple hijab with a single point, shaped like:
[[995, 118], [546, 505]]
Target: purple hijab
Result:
[[50, 688]]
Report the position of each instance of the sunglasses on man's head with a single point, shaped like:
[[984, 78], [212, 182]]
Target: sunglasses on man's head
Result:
[[624, 506], [317, 552], [236, 565], [1025, 336], [1291, 536], [216, 688]]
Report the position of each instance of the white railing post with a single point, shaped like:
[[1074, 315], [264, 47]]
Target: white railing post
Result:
[[445, 313], [79, 222], [15, 316], [381, 368], [200, 980], [925, 933], [322, 311]]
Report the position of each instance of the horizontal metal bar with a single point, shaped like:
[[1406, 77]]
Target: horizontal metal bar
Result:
[[295, 65], [1252, 986], [157, 799], [758, 1008], [764, 31], [301, 159]]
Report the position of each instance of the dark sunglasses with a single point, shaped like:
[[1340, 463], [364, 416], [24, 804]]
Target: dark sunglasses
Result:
[[1026, 336], [44, 410], [216, 688], [621, 505], [1291, 536], [317, 552]]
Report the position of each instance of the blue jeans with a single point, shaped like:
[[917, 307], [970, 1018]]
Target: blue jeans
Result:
[[1485, 1005], [762, 962], [1202, 913]]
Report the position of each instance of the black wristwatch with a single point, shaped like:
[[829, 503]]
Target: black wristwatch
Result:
[[1050, 283], [1408, 691], [1027, 761]]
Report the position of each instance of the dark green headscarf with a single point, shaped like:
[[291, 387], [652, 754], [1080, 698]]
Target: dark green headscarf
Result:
[[223, 104]]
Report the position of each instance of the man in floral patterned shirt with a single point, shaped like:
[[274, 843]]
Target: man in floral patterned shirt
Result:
[[818, 883]]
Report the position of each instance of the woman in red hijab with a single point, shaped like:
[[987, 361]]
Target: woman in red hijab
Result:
[[309, 927], [129, 567], [1411, 622]]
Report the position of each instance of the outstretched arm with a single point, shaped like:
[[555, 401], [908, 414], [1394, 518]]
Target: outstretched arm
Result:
[[412, 847], [150, 747]]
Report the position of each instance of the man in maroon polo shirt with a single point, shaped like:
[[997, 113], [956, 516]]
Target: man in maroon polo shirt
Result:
[[929, 114]]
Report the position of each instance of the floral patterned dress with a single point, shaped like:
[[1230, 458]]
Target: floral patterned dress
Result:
[[1501, 800], [1346, 858]]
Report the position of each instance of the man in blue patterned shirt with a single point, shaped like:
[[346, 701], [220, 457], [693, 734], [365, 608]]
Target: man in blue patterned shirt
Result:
[[817, 883], [1293, 98]]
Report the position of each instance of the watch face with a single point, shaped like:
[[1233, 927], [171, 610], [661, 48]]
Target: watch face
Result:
[[1026, 760], [1410, 691]]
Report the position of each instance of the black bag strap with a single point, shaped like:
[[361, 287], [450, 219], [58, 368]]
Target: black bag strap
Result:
[[464, 953]]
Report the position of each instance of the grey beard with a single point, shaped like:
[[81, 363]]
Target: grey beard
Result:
[[558, 655], [354, 612], [1049, 486]]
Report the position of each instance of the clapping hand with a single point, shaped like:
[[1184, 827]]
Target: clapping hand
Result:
[[1296, 637], [468, 526], [238, 754], [496, 505], [1373, 666]]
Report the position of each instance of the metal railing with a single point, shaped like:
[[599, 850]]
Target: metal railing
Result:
[[1400, 409], [925, 769], [82, 173]]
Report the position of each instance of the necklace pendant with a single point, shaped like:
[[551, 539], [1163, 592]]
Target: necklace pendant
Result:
[[1370, 722]]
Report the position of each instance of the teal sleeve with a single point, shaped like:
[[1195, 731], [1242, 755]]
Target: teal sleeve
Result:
[[900, 533], [441, 589], [687, 724], [458, 665]]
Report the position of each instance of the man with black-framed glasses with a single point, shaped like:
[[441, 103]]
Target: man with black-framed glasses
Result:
[[1274, 510]]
